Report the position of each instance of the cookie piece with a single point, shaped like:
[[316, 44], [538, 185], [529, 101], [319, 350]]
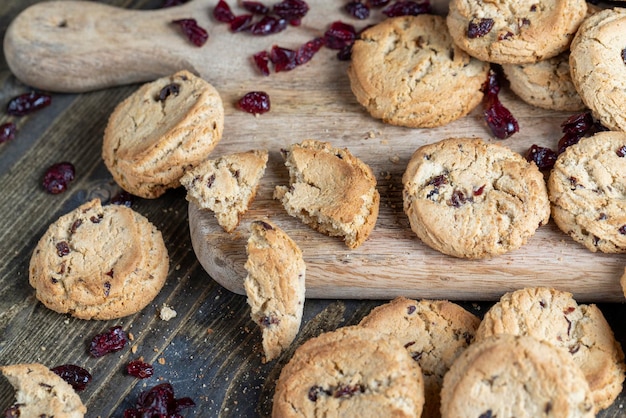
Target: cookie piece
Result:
[[353, 371], [41, 393], [226, 185], [514, 31], [408, 72], [161, 130], [99, 262], [580, 331], [471, 199], [330, 190], [435, 333], [515, 376], [275, 285], [587, 188], [546, 84]]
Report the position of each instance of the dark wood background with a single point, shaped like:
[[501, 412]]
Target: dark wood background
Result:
[[211, 350]]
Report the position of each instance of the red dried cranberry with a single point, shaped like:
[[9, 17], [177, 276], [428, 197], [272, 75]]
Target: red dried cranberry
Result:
[[123, 198], [240, 23], [295, 22], [348, 391], [357, 9], [139, 369], [27, 103], [57, 177], [345, 53], [107, 342], [479, 190], [291, 9], [7, 132], [255, 102], [479, 27], [574, 128], [339, 35], [268, 25], [498, 118], [159, 401], [284, 59], [458, 199], [171, 3], [315, 391], [486, 414], [12, 411], [622, 229], [76, 376], [196, 34], [222, 12], [308, 50], [171, 89], [262, 59], [543, 157], [621, 151], [255, 7], [406, 8], [63, 248]]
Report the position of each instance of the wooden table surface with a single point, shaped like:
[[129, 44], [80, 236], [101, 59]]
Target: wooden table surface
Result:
[[211, 350]]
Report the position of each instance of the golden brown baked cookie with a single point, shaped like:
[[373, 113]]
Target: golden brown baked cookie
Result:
[[587, 188], [351, 372], [435, 333], [41, 393], [161, 130], [408, 72], [471, 199], [275, 285], [514, 31], [99, 262], [330, 190], [226, 185], [580, 331], [515, 376]]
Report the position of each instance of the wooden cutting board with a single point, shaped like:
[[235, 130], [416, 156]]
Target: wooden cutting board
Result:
[[79, 46]]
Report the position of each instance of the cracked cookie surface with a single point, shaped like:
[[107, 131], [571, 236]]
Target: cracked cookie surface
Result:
[[580, 331], [407, 72], [471, 199]]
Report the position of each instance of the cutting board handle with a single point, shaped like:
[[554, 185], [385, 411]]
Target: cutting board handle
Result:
[[78, 46]]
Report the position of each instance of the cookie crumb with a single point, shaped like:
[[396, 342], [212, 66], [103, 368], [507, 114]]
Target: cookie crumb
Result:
[[133, 349], [166, 313], [395, 159], [161, 360]]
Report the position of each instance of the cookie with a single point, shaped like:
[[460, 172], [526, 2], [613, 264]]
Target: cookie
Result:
[[587, 189], [598, 66], [330, 190], [546, 84], [471, 199], [226, 185], [99, 262], [275, 285], [351, 372], [435, 333], [407, 72], [580, 331], [41, 393], [515, 376], [514, 31], [161, 130]]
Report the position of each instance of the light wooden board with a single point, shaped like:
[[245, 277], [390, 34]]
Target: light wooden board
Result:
[[100, 47]]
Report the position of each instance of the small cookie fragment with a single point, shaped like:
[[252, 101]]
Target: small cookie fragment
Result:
[[408, 72], [353, 371], [587, 189], [41, 393], [330, 190], [161, 130], [99, 262], [435, 333], [226, 185], [514, 31], [515, 376], [580, 331], [471, 199], [275, 285]]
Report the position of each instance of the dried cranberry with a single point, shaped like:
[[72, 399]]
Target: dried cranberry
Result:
[[262, 59], [267, 25], [268, 321], [196, 34], [406, 8], [284, 59], [159, 401], [479, 190], [76, 376], [291, 9], [621, 151], [255, 102], [357, 9], [240, 23], [28, 103], [624, 55], [315, 391], [255, 7], [378, 3], [222, 12], [458, 199], [57, 177], [622, 229], [437, 181], [410, 310], [345, 53], [574, 128], [7, 132], [339, 35], [499, 118], [348, 391], [63, 248], [139, 369], [479, 27], [171, 3], [170, 90], [543, 157], [107, 342], [486, 414], [123, 198], [308, 50], [12, 411]]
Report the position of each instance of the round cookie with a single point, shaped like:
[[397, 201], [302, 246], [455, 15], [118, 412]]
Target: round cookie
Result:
[[435, 333], [587, 188], [580, 331], [471, 199], [598, 66], [99, 262], [164, 128], [515, 376], [514, 31], [407, 71], [546, 84], [353, 371]]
